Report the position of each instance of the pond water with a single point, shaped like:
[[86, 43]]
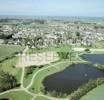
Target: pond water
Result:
[[94, 58], [71, 78]]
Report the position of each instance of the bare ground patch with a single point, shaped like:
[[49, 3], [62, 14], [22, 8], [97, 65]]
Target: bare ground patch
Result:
[[27, 60]]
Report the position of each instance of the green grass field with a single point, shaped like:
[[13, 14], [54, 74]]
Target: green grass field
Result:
[[95, 94], [18, 95], [41, 98], [28, 78], [36, 87], [61, 48], [8, 65], [9, 50]]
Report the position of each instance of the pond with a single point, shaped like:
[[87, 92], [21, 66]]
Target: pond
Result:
[[94, 58], [71, 78]]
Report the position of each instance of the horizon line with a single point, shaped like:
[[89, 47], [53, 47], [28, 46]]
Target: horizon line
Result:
[[51, 16]]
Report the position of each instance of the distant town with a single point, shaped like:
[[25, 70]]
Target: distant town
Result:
[[45, 33]]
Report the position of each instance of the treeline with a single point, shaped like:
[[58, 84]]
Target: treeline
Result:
[[63, 55], [66, 55], [7, 81], [5, 36], [53, 93], [99, 27]]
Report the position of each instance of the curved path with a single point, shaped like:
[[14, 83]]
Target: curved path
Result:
[[31, 83], [34, 76]]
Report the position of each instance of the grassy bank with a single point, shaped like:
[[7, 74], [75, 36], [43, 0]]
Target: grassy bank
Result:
[[37, 85], [27, 78], [41, 98], [84, 89], [95, 94]]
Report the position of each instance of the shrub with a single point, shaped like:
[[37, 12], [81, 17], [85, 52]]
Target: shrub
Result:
[[87, 50]]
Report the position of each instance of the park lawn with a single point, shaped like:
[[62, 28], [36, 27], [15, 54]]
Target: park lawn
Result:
[[27, 79], [9, 66], [18, 95], [41, 98], [61, 48], [95, 94], [37, 85], [9, 50]]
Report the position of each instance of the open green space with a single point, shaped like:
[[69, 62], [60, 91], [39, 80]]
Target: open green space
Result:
[[9, 66], [95, 94], [37, 85], [9, 50], [18, 95], [60, 48], [41, 98], [27, 78]]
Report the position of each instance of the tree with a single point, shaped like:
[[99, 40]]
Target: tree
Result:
[[77, 34], [63, 55], [7, 81]]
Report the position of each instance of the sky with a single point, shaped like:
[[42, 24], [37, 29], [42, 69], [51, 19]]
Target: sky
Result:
[[89, 8]]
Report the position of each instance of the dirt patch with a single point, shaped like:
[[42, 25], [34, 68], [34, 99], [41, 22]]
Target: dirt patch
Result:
[[37, 59]]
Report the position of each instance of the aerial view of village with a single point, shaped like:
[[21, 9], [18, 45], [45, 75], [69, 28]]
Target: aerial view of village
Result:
[[51, 57]]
